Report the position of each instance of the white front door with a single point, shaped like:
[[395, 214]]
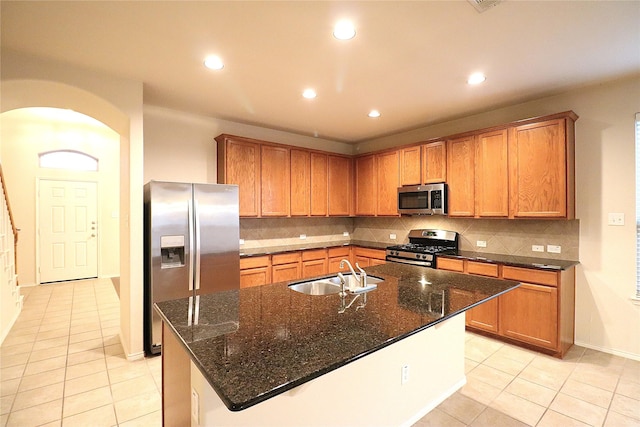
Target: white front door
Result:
[[68, 230]]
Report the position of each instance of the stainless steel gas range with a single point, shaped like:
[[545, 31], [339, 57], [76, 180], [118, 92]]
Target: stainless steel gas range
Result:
[[423, 247]]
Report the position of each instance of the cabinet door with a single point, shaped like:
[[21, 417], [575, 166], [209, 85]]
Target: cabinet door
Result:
[[484, 316], [362, 261], [334, 265], [376, 261], [312, 268], [340, 194], [275, 181], [300, 182], [434, 163], [319, 183], [492, 175], [366, 185], [530, 314], [255, 277], [460, 176], [411, 166], [239, 163], [388, 173], [538, 164], [285, 272]]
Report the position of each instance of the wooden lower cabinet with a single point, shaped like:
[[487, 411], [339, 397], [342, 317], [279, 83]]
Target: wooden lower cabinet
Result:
[[367, 257], [286, 266], [336, 255], [314, 263], [484, 316], [255, 271]]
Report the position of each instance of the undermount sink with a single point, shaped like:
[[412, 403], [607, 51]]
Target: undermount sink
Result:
[[331, 285]]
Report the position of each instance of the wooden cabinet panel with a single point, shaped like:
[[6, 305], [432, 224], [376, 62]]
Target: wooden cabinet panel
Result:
[[366, 185], [376, 261], [285, 258], [315, 267], [434, 162], [388, 174], [484, 316], [334, 265], [319, 184], [254, 262], [460, 176], [342, 251], [275, 181], [239, 163], [314, 254], [450, 264], [301, 170], [411, 166], [255, 277], [340, 193], [541, 277], [492, 175], [482, 268], [285, 272], [362, 261], [538, 164], [530, 314]]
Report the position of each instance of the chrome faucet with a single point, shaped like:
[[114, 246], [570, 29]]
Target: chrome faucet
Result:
[[361, 278]]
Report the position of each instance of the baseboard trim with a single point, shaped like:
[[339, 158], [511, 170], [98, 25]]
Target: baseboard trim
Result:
[[609, 350]]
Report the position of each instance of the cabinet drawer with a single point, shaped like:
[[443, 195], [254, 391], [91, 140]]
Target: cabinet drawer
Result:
[[314, 254], [549, 278], [254, 262], [342, 251], [450, 264], [285, 258], [482, 268], [369, 253]]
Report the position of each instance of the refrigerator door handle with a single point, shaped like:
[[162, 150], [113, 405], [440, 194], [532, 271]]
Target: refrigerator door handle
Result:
[[190, 311], [197, 238], [196, 315], [191, 254]]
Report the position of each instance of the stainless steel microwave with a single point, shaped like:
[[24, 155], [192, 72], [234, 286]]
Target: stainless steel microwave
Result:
[[429, 199]]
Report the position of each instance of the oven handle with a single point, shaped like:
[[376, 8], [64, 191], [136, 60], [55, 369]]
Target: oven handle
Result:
[[410, 261]]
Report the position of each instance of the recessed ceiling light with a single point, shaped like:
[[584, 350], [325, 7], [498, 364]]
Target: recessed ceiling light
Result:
[[213, 63], [309, 93], [344, 30], [374, 114], [476, 78]]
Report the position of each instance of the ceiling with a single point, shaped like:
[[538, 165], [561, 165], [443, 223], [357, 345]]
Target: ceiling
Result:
[[409, 60]]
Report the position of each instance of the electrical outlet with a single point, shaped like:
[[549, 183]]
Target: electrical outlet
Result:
[[616, 218], [392, 236], [303, 236], [554, 249], [404, 378], [195, 406], [481, 243], [537, 248], [242, 241], [345, 234]]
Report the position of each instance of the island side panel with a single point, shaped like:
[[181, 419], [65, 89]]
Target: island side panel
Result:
[[176, 387], [367, 392]]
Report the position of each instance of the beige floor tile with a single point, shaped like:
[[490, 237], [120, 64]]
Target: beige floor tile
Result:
[[6, 402], [85, 356], [85, 345], [111, 331], [129, 371], [109, 340], [505, 364], [4, 419], [88, 400], [493, 418], [113, 350], [462, 408], [56, 333], [11, 350], [478, 349], [48, 353], [14, 360], [603, 360], [85, 327], [130, 388], [12, 372], [33, 368], [8, 387], [36, 416], [516, 407], [50, 343], [142, 404], [596, 377], [491, 376], [588, 393], [12, 339], [541, 377], [558, 367], [435, 418], [480, 391], [38, 396], [155, 419], [554, 419], [118, 361], [85, 336], [47, 326], [578, 409], [86, 383], [532, 392], [626, 406], [628, 387], [516, 353], [618, 420], [98, 417], [46, 378], [84, 369]]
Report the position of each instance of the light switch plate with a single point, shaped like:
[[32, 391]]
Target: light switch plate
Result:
[[404, 378], [303, 236], [554, 249], [392, 236], [537, 248], [345, 234], [481, 243], [242, 241], [616, 218]]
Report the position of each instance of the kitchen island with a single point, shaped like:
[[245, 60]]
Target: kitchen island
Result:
[[271, 356]]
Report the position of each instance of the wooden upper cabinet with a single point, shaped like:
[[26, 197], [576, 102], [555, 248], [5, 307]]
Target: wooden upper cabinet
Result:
[[460, 176], [388, 172], [411, 165], [340, 188], [319, 184], [239, 163], [300, 182], [434, 162], [275, 180], [492, 175], [541, 157], [366, 185]]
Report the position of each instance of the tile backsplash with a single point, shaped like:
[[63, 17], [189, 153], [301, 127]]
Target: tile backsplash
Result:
[[509, 237]]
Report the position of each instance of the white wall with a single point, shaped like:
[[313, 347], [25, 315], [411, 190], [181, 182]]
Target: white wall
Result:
[[606, 318], [26, 133], [180, 146]]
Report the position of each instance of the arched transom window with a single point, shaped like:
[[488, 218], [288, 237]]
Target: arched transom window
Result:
[[68, 159]]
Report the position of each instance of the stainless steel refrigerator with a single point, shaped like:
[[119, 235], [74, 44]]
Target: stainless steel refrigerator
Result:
[[191, 235]]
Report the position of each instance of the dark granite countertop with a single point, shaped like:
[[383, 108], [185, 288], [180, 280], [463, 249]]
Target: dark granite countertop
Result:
[[270, 250], [515, 261], [255, 343]]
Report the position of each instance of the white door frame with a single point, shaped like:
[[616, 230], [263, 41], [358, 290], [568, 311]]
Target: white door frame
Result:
[[37, 220]]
